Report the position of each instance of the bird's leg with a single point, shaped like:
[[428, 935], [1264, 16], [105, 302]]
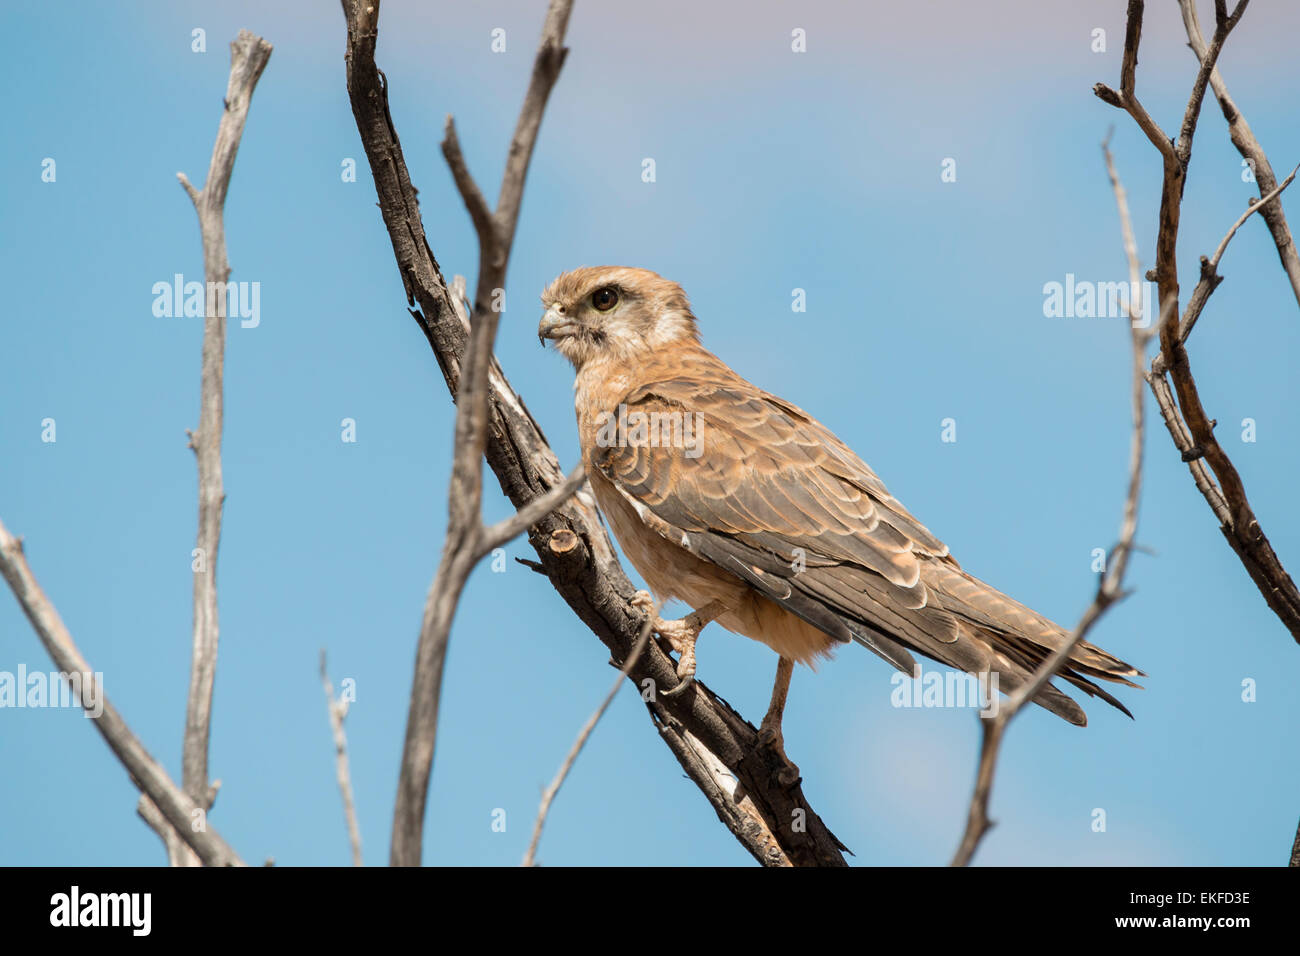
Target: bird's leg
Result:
[[681, 635], [769, 733]]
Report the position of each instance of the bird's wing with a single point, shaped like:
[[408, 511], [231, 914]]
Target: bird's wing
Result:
[[763, 490]]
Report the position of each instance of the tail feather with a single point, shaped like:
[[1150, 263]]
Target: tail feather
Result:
[[1022, 639]]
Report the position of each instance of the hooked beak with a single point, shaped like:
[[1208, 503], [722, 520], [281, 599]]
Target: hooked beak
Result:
[[555, 325]]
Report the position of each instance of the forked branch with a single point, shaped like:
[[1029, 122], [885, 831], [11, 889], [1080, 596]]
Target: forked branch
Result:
[[1170, 377]]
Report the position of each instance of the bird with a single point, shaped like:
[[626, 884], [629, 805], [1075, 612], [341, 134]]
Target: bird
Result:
[[754, 514]]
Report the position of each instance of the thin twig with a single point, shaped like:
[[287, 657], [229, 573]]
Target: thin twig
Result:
[[338, 712], [1109, 589], [1210, 278], [479, 213], [182, 815], [548, 796], [1255, 206]]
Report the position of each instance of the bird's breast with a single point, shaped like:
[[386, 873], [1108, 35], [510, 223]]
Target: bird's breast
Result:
[[672, 572]]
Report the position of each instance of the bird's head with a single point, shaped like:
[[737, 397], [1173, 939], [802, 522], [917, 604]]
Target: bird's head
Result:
[[615, 312]]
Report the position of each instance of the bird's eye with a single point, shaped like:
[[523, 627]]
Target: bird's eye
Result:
[[604, 299]]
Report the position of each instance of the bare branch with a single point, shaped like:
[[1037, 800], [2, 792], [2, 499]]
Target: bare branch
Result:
[[1191, 429], [1244, 139], [189, 189], [467, 540], [169, 801], [475, 204], [1183, 442], [338, 712], [1210, 278], [527, 516], [548, 796], [1223, 26], [496, 230], [546, 70], [1255, 206], [1126, 99], [1109, 589], [249, 55], [574, 551], [1230, 505], [178, 853]]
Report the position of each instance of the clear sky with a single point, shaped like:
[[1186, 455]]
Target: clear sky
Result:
[[775, 170]]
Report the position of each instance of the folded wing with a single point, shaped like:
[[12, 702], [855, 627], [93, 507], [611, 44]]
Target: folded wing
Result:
[[764, 491]]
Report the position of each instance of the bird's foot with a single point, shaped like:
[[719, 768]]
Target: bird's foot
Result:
[[680, 634], [770, 738]]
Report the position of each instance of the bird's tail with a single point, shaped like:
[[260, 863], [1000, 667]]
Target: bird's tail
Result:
[[1020, 640]]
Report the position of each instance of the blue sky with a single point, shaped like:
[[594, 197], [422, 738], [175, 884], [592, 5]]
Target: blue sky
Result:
[[775, 171]]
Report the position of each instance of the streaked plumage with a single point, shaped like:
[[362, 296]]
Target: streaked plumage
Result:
[[775, 517]]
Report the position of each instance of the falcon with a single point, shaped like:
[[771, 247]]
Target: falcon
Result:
[[749, 510]]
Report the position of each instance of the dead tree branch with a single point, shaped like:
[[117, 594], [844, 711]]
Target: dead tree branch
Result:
[[1190, 427], [248, 58], [1187, 421], [1111, 587], [168, 803], [715, 746], [467, 540]]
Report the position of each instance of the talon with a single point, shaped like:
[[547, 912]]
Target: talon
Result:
[[686, 666], [680, 635], [680, 689]]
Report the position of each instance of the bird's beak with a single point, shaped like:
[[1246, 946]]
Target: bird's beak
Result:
[[555, 325]]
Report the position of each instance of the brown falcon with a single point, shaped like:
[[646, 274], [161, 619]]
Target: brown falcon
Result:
[[754, 514]]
